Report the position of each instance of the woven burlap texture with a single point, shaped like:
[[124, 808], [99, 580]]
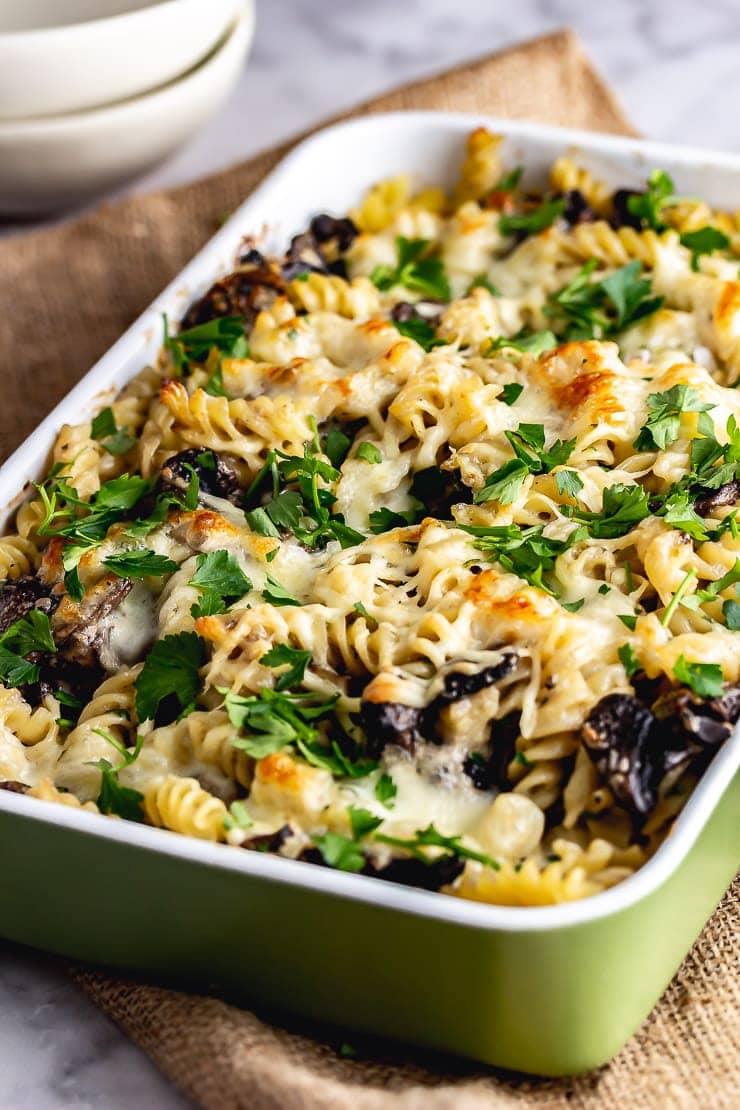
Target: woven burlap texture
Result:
[[67, 293]]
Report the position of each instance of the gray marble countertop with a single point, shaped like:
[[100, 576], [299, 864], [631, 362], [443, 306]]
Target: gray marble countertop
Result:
[[675, 65]]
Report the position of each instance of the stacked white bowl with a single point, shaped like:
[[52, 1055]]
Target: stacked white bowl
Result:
[[95, 92]]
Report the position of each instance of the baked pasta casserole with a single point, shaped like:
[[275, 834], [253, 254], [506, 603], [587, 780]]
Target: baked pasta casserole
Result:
[[416, 554]]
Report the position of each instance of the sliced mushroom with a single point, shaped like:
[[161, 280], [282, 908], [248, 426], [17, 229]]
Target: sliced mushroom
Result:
[[618, 735], [414, 872], [706, 721], [390, 723], [438, 490], [459, 684], [14, 787], [79, 628], [245, 292], [727, 494], [304, 257], [18, 596], [577, 209], [220, 480], [339, 232]]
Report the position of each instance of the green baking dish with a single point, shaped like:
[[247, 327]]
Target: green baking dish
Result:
[[552, 990]]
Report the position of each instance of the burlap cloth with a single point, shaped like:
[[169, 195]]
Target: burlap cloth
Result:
[[65, 295]]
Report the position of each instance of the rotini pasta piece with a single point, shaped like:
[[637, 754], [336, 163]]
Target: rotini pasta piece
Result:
[[381, 203], [182, 805], [481, 168], [358, 299], [18, 556], [566, 176], [46, 791]]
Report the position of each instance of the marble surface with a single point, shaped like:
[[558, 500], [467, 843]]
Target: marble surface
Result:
[[674, 64]]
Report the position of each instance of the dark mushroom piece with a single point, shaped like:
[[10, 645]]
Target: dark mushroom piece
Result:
[[79, 629], [414, 872], [387, 722], [577, 209], [218, 480], [622, 215], [303, 257], [328, 229], [14, 787], [707, 722], [18, 596], [709, 500], [245, 293], [619, 736], [438, 490]]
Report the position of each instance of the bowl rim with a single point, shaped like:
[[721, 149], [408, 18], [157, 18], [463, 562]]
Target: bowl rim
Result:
[[86, 27], [236, 36]]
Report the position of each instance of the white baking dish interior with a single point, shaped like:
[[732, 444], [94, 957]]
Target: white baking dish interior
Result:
[[328, 173]]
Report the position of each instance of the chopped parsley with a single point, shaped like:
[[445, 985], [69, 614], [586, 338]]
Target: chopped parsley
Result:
[[169, 681], [530, 223], [282, 655], [533, 343], [116, 441], [415, 269], [225, 334], [298, 501], [238, 817], [511, 392], [629, 660], [220, 581], [336, 446], [704, 679], [382, 520], [277, 594], [525, 552], [595, 310], [531, 457], [421, 331], [664, 420], [341, 852], [140, 564], [274, 720], [648, 206], [369, 452], [31, 634], [360, 609], [704, 240], [123, 801], [569, 482], [214, 387], [385, 790], [623, 507], [430, 837]]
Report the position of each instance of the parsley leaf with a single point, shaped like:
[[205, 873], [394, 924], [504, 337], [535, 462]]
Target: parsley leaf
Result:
[[116, 441], [622, 508], [415, 270], [170, 676], [594, 310], [336, 446], [431, 837], [664, 420], [533, 343], [511, 392], [340, 851], [629, 660], [703, 241], [525, 552], [382, 520], [29, 634], [238, 817], [421, 331], [16, 671], [530, 223], [140, 564], [659, 194], [369, 452], [731, 613], [123, 801], [225, 333], [214, 387], [281, 655], [220, 581], [277, 594], [569, 482], [528, 441], [704, 679], [363, 821], [385, 790]]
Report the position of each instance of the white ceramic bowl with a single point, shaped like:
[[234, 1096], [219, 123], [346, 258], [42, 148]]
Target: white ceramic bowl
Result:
[[56, 57], [47, 165]]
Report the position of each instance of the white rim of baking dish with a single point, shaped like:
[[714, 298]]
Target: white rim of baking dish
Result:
[[90, 393]]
